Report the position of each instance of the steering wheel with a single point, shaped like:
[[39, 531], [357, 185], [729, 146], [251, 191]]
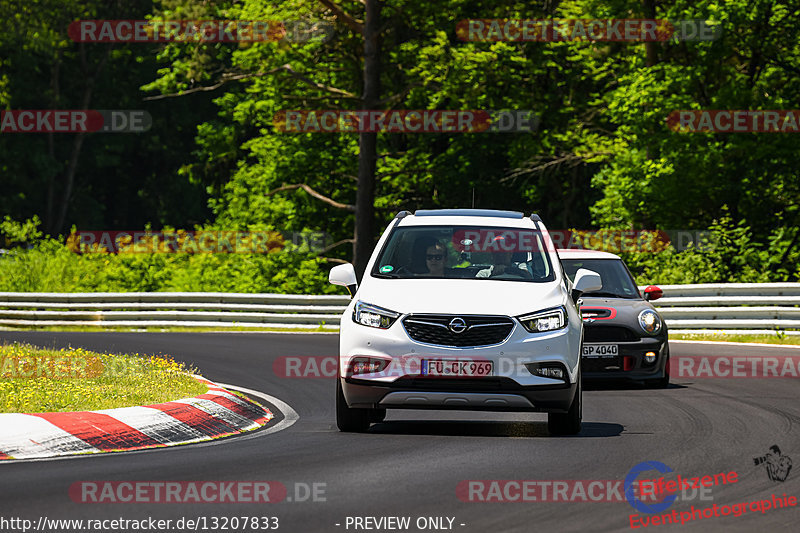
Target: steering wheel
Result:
[[404, 272]]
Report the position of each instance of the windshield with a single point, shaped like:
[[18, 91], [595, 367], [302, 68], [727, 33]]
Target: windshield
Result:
[[617, 281], [466, 252]]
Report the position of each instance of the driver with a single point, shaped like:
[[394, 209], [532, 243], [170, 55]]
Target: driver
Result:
[[429, 258], [435, 257]]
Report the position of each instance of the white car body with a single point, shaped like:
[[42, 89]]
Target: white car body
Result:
[[399, 384]]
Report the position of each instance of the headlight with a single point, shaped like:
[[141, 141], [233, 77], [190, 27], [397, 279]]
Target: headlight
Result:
[[546, 320], [373, 316], [650, 321]]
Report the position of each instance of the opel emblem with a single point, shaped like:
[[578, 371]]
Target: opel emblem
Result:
[[457, 325]]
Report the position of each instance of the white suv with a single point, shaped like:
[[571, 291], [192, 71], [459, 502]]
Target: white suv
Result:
[[461, 309]]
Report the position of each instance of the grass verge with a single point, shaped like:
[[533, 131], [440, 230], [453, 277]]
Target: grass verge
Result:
[[310, 329], [722, 337], [35, 380]]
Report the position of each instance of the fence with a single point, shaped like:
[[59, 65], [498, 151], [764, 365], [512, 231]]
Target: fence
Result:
[[733, 307], [753, 308], [172, 309]]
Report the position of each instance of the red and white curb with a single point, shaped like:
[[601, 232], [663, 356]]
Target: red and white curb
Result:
[[212, 415]]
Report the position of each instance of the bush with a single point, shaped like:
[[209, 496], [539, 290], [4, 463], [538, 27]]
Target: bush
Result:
[[40, 264], [729, 256], [47, 265]]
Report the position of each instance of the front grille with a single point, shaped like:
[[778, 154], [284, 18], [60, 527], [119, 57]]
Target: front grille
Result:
[[595, 333], [480, 330], [601, 364]]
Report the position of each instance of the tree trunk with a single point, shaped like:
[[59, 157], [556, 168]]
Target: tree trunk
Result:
[[367, 156], [70, 181], [55, 88], [69, 178], [651, 59], [651, 50]]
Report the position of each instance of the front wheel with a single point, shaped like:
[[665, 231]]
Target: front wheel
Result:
[[377, 415], [349, 418], [568, 423]]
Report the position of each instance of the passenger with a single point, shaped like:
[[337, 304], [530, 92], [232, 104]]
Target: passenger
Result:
[[503, 264]]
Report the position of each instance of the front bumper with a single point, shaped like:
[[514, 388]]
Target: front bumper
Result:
[[483, 394], [630, 363]]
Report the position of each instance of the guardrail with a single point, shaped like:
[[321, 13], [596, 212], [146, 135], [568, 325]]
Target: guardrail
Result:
[[764, 308], [749, 308], [172, 309]]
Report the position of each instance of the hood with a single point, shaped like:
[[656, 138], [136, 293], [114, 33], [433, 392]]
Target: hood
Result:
[[624, 311], [461, 296]]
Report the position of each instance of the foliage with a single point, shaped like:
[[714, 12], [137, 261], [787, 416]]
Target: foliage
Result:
[[51, 266], [122, 180], [602, 155], [728, 254]]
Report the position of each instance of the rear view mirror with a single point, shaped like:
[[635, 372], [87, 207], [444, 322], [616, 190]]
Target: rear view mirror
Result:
[[585, 281], [651, 293], [344, 275]]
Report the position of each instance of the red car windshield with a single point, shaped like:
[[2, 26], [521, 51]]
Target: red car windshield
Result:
[[617, 280]]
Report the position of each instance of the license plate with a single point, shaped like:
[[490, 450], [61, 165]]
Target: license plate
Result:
[[600, 350], [456, 368]]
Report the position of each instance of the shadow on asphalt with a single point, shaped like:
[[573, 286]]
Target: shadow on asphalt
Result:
[[623, 385], [489, 429]]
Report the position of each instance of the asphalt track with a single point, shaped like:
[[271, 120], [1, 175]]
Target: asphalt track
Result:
[[411, 464]]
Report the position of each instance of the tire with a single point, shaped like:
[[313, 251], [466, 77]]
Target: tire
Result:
[[568, 423], [377, 415], [348, 418]]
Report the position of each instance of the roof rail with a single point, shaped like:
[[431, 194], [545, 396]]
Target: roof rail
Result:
[[402, 214], [535, 217], [467, 213]]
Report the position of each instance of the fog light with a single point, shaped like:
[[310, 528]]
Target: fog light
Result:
[[367, 365], [550, 370], [650, 357], [555, 373]]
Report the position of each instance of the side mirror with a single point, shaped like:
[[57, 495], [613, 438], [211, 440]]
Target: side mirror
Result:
[[651, 293], [344, 275], [585, 281]]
